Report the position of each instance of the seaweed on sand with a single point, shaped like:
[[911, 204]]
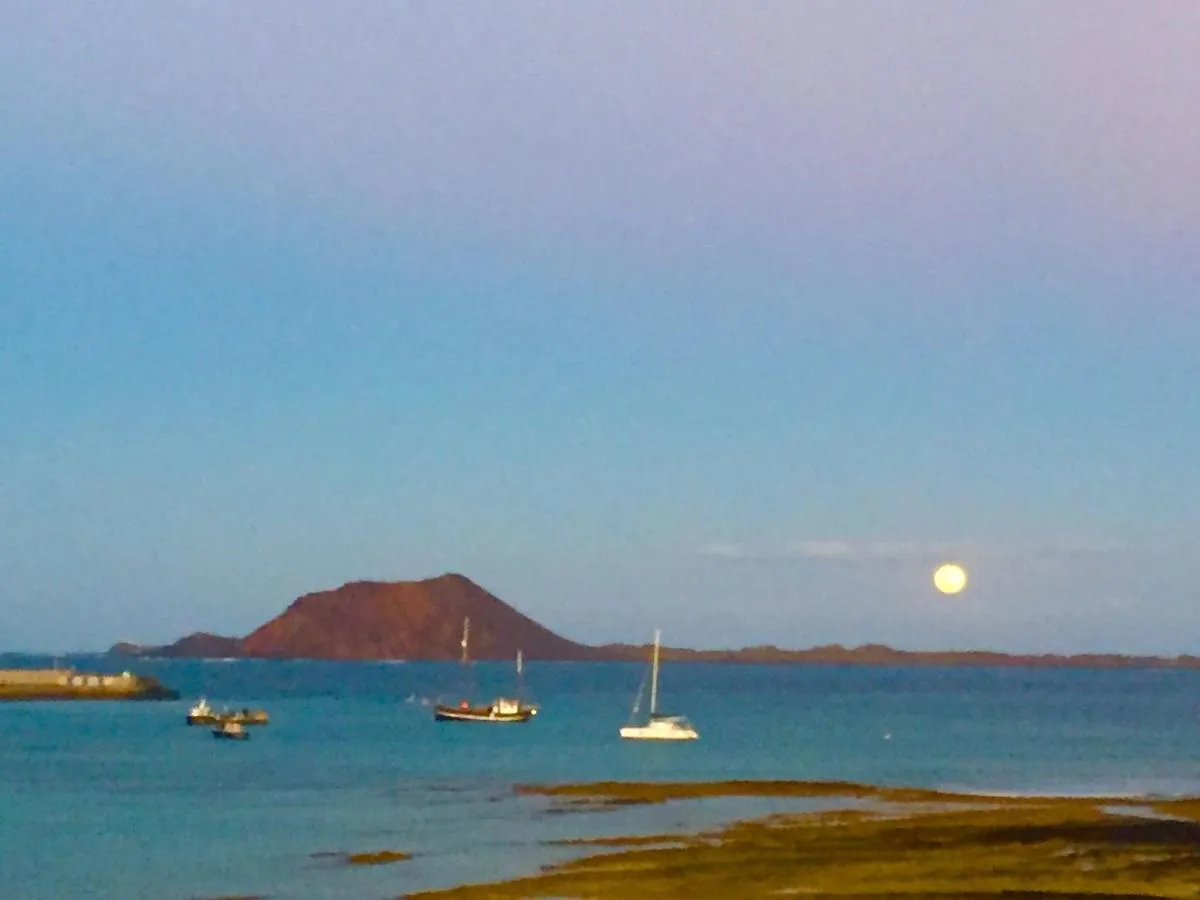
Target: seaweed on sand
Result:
[[916, 846]]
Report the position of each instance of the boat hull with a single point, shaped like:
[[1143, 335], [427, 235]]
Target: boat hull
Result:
[[650, 734], [255, 717], [248, 717], [484, 715], [659, 727]]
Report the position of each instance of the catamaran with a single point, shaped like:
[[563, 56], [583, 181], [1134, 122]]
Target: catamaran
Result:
[[500, 710], [658, 727]]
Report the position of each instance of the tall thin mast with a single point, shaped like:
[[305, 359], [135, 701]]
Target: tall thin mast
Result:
[[654, 677], [466, 634]]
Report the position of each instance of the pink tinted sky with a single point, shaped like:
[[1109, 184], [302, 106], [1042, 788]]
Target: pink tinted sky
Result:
[[704, 273], [919, 129]]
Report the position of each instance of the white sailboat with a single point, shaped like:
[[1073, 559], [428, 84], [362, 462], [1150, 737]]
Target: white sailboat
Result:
[[659, 727]]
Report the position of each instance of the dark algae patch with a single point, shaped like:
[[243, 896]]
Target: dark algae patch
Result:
[[626, 793], [636, 840], [378, 858], [372, 858], [915, 844]]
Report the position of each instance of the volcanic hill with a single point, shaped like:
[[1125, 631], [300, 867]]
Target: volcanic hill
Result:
[[417, 620]]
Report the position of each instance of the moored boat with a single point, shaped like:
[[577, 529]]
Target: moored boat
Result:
[[503, 709], [658, 727], [231, 731], [499, 711], [246, 716], [201, 713], [662, 728]]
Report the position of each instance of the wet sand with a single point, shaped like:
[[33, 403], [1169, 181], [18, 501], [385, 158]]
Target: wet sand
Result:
[[908, 843]]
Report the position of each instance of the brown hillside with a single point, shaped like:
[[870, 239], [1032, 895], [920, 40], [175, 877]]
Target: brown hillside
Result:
[[406, 620], [207, 645]]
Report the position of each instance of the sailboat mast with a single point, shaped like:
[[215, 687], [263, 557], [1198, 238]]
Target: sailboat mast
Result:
[[654, 676], [466, 634]]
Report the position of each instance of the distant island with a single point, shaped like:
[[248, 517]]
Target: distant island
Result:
[[412, 620], [422, 620]]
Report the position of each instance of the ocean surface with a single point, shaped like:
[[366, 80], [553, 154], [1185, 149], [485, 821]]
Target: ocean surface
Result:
[[123, 800]]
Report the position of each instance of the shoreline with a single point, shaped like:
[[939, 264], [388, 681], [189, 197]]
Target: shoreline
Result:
[[809, 658], [914, 841], [620, 793]]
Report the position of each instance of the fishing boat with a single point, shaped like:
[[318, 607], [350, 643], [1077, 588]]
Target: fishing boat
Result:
[[658, 727], [202, 714], [500, 711], [231, 731], [246, 716]]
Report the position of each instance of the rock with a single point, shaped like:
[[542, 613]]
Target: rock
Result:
[[374, 858]]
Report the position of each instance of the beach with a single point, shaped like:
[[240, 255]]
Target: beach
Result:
[[912, 843]]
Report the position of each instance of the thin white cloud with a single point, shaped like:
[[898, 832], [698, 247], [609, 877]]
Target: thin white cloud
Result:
[[724, 551], [838, 550], [867, 550]]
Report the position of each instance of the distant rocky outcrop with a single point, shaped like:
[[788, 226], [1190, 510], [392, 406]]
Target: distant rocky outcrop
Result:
[[200, 645], [422, 620], [125, 648]]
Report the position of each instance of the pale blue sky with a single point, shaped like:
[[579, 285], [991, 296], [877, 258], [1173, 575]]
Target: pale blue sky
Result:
[[627, 313]]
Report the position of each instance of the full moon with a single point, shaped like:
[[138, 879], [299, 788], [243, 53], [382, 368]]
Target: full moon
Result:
[[950, 579]]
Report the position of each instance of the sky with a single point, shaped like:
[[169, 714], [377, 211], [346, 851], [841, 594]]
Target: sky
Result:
[[732, 319]]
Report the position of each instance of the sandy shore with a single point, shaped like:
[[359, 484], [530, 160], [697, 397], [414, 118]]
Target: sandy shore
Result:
[[910, 843]]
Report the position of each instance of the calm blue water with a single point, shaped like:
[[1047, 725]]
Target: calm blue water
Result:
[[122, 800]]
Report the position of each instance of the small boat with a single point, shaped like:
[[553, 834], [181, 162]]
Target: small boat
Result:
[[499, 711], [202, 714], [658, 727], [502, 709], [231, 731], [246, 716]]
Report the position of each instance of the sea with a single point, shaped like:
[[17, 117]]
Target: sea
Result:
[[124, 800]]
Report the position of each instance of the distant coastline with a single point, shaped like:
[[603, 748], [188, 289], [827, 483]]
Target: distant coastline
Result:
[[875, 655], [422, 620], [883, 655]]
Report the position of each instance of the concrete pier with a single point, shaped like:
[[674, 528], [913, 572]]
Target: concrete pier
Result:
[[69, 684]]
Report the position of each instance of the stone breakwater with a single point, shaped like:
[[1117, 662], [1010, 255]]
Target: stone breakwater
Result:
[[69, 684]]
